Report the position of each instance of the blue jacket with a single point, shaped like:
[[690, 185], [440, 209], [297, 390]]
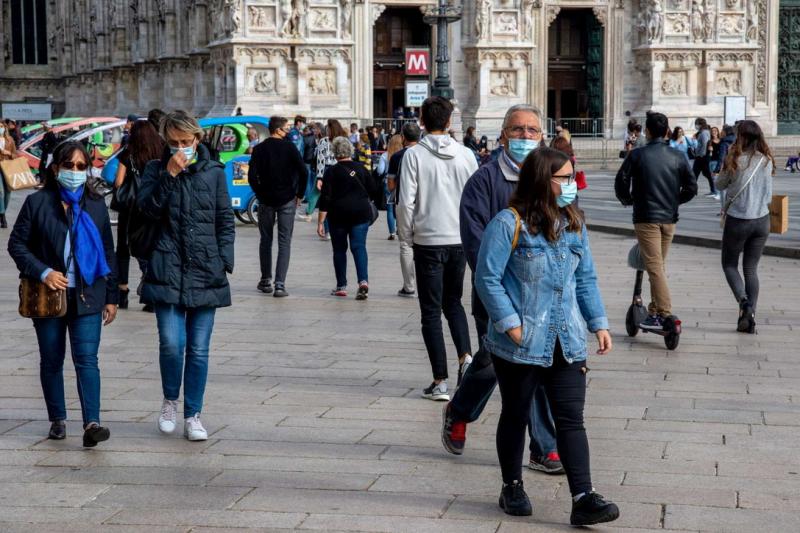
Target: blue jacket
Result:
[[549, 289], [296, 138], [486, 193]]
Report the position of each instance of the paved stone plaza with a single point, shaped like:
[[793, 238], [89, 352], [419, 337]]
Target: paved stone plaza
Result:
[[316, 420]]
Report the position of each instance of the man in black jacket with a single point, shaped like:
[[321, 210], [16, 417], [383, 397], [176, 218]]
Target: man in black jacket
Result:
[[277, 176], [655, 179]]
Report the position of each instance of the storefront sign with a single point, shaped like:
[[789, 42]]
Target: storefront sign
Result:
[[416, 92], [418, 62], [26, 111]]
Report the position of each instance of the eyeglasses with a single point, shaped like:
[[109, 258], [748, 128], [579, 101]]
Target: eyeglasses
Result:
[[519, 131], [564, 179], [69, 165]]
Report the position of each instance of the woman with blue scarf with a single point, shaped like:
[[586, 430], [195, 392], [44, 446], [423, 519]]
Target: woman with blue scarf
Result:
[[62, 237]]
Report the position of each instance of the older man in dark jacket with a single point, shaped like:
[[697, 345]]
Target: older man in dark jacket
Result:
[[655, 179], [487, 193]]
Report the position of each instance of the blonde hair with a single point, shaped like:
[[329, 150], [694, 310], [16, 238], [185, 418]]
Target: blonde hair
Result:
[[395, 145], [181, 121]]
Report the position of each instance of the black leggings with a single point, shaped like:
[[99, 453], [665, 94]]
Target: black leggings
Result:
[[123, 250], [748, 237], [702, 166], [565, 385]]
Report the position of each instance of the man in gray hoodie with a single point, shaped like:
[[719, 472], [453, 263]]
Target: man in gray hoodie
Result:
[[434, 174]]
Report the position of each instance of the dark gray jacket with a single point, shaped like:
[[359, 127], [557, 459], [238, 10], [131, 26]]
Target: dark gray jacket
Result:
[[195, 250]]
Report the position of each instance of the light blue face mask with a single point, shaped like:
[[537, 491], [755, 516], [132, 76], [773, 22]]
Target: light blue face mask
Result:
[[568, 194], [188, 152], [519, 149], [2, 131], [71, 180]]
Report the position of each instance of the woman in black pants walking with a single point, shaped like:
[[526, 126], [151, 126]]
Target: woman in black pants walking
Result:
[[747, 177], [536, 277]]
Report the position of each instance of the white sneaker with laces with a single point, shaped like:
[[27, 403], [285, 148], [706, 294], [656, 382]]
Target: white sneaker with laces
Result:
[[169, 413], [193, 429]]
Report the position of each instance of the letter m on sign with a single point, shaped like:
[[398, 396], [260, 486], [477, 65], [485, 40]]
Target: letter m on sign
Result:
[[418, 61]]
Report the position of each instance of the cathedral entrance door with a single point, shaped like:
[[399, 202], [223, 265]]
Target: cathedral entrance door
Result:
[[789, 68]]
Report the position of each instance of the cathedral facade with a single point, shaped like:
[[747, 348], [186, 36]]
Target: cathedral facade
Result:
[[598, 60]]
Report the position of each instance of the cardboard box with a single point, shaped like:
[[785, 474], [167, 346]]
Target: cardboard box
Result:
[[779, 214]]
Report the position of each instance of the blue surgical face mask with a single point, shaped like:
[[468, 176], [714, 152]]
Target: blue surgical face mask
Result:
[[71, 179], [2, 131], [568, 194], [188, 151], [519, 149]]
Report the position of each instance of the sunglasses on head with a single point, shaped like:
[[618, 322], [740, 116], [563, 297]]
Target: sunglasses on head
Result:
[[69, 165]]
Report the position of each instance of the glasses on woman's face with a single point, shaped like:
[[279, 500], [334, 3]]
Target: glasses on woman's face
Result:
[[563, 179], [69, 165], [519, 132]]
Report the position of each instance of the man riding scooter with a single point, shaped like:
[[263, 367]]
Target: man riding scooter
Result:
[[655, 179]]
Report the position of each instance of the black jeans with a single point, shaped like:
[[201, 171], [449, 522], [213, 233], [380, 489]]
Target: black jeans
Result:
[[440, 286], [565, 385], [267, 216], [702, 165], [748, 237]]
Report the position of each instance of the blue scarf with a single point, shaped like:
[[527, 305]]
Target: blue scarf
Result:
[[88, 251]]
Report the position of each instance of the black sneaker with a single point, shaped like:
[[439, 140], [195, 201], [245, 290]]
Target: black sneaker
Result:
[[747, 318], [593, 509], [58, 430], [462, 368], [363, 291], [454, 432], [94, 434], [514, 501], [549, 464], [280, 292], [403, 293], [265, 286], [652, 322]]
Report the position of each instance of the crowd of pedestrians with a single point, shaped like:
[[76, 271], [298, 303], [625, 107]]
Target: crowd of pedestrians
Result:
[[512, 215]]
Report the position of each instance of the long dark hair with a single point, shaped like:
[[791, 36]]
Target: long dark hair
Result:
[[144, 144], [335, 129], [62, 153], [749, 141], [534, 199], [675, 135]]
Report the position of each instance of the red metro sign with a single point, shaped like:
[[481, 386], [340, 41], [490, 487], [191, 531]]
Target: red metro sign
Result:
[[418, 61]]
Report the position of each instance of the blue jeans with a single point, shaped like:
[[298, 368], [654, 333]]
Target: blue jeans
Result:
[[184, 330], [391, 218], [358, 247], [84, 340]]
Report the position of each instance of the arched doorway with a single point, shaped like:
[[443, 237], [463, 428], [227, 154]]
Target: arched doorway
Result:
[[575, 72], [396, 29]]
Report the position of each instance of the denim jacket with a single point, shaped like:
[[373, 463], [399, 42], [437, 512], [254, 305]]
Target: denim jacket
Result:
[[550, 289]]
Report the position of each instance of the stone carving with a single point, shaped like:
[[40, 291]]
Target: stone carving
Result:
[[600, 14], [527, 18], [752, 20], [262, 81], [709, 21], [322, 82], [761, 69], [673, 83], [234, 8], [728, 83], [506, 22], [552, 14], [286, 16], [678, 5], [299, 16], [504, 83], [731, 4], [731, 24], [678, 23], [655, 23], [377, 10], [482, 19], [697, 20], [323, 19], [260, 17], [347, 15]]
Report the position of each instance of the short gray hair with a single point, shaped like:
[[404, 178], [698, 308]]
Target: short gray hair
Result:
[[521, 108], [342, 148]]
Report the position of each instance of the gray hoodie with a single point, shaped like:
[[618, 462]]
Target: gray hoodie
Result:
[[434, 174]]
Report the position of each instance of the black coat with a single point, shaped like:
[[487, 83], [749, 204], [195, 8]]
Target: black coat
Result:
[[195, 249], [655, 179], [37, 243]]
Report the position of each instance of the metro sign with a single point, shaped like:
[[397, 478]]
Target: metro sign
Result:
[[418, 61]]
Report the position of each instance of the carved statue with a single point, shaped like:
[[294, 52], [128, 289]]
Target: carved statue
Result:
[[263, 83], [527, 18], [286, 16], [330, 82], [655, 22], [299, 15], [504, 85], [752, 20], [482, 19], [672, 85], [507, 23], [347, 13], [698, 29], [709, 22], [235, 12], [258, 17]]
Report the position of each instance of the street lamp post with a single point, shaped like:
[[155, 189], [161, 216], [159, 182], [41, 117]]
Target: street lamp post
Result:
[[441, 16]]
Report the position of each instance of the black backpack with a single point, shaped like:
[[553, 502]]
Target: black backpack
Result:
[[143, 232]]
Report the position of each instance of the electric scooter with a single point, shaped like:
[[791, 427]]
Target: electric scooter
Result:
[[637, 312]]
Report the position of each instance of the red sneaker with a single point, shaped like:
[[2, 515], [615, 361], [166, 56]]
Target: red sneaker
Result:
[[454, 432]]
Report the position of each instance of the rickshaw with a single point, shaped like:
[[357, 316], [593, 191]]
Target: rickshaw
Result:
[[31, 150]]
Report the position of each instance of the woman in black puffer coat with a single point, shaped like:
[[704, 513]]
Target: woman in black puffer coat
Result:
[[186, 277]]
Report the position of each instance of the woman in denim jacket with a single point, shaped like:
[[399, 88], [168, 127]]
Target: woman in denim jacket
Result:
[[537, 279]]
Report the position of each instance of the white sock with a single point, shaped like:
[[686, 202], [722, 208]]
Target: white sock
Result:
[[578, 496]]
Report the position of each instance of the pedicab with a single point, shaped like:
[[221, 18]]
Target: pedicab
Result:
[[637, 312], [31, 149]]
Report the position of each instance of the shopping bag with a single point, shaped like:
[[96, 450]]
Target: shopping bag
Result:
[[17, 174], [779, 214]]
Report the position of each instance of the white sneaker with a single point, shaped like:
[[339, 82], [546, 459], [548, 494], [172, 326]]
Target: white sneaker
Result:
[[437, 392], [193, 429], [169, 413]]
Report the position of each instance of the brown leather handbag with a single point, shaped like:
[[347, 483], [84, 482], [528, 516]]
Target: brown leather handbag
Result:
[[36, 300]]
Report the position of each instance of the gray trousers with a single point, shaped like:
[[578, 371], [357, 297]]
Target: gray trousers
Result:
[[746, 237], [284, 216]]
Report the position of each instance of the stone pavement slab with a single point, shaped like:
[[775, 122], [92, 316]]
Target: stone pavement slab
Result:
[[316, 422]]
